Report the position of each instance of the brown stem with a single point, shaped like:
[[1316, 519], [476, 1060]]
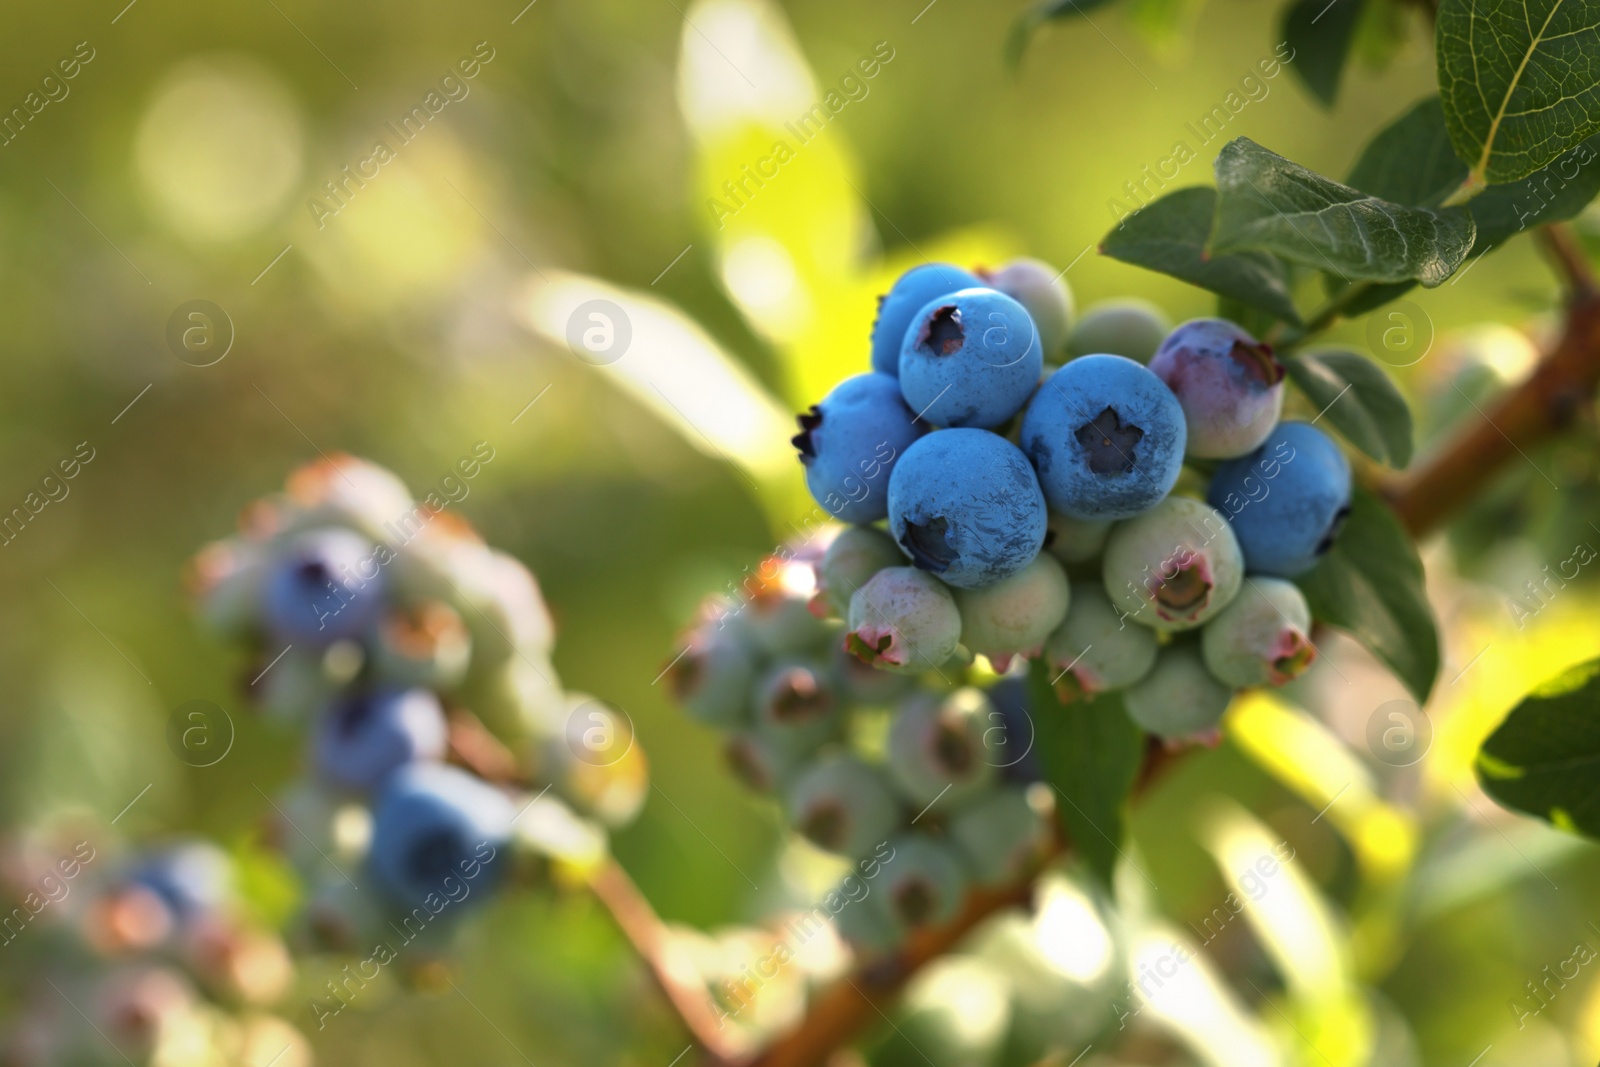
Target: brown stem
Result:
[[677, 975], [1559, 243]]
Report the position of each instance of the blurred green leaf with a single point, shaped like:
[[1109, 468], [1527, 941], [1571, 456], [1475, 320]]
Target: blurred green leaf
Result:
[[1358, 397], [1321, 32], [1410, 161], [1169, 236], [1520, 81], [1090, 751], [1268, 203], [1544, 759], [1370, 584], [1037, 15]]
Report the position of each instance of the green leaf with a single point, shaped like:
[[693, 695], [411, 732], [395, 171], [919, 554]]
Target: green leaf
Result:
[[1520, 81], [1169, 235], [1411, 162], [1370, 584], [1090, 752], [1361, 401], [1037, 15], [1321, 32], [1269, 204], [1544, 759]]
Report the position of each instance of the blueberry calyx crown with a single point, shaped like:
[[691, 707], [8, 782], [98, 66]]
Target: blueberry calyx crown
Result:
[[1258, 363], [916, 901], [929, 545], [1109, 442], [826, 824], [809, 421], [942, 332], [800, 697]]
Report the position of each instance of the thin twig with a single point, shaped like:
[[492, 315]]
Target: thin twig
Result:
[[1572, 264]]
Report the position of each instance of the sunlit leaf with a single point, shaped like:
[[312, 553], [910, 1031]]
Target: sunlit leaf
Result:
[[1520, 81], [1545, 758], [1267, 203]]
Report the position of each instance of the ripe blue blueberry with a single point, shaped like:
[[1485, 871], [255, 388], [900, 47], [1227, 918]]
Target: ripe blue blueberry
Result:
[[1039, 287], [851, 560], [909, 294], [1133, 328], [1010, 735], [435, 829], [320, 590], [1175, 566], [712, 678], [970, 358], [940, 750], [796, 702], [903, 620], [1262, 638], [1230, 386], [850, 442], [1107, 437], [366, 736], [925, 883], [998, 834], [844, 806], [965, 505], [1013, 616], [1286, 500], [193, 879], [1096, 649], [1178, 699]]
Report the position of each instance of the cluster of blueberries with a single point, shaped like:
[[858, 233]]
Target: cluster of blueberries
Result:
[[915, 787], [159, 952], [1133, 513], [419, 660]]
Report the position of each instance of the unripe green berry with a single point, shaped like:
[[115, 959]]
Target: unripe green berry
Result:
[[851, 560], [939, 749], [999, 834], [1042, 290], [925, 881], [1096, 649], [1261, 638], [1179, 698], [845, 806], [1131, 327], [1014, 615], [903, 620], [1076, 540], [1175, 566]]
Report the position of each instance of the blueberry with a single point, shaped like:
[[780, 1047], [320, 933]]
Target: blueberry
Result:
[[999, 834], [797, 702], [762, 761], [1286, 500], [1107, 437], [903, 620], [942, 749], [1096, 649], [852, 558], [325, 585], [1132, 328], [224, 581], [850, 442], [863, 684], [595, 763], [970, 358], [773, 611], [1076, 540], [844, 806], [924, 883], [363, 738], [424, 644], [1014, 615], [343, 490], [193, 879], [1175, 566], [966, 505], [909, 294], [520, 699], [501, 602], [293, 687], [436, 828], [1179, 698], [713, 676], [1039, 287], [1262, 638], [1230, 386]]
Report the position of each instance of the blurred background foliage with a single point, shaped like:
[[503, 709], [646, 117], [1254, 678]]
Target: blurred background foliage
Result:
[[427, 313]]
